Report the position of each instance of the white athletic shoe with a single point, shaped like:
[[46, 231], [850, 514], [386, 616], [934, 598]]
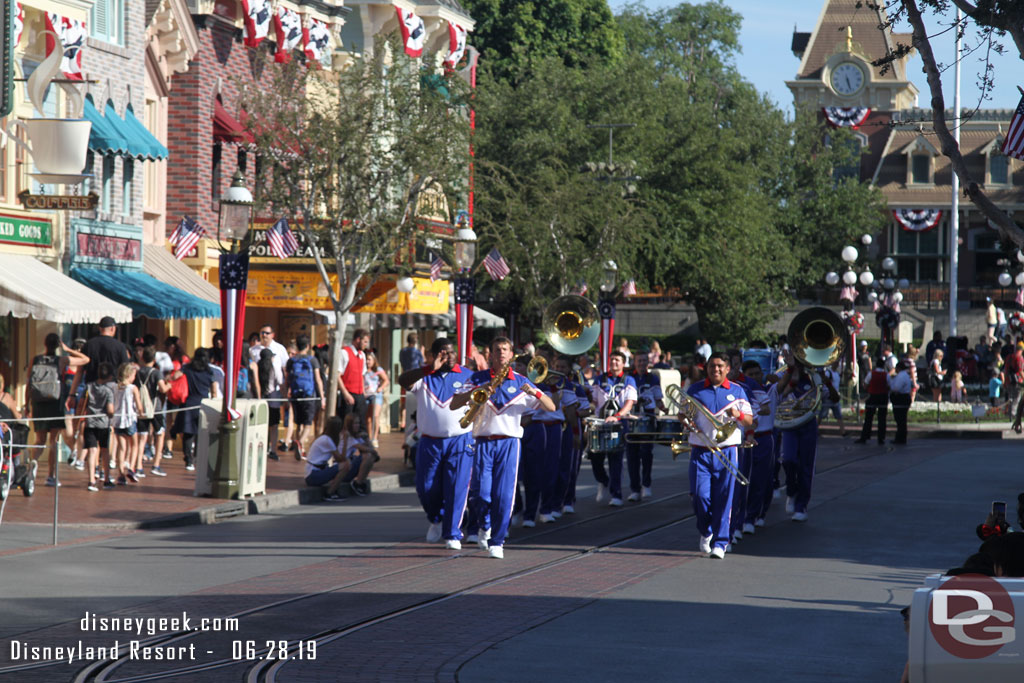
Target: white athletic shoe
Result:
[[705, 544], [790, 503], [556, 514], [633, 497], [482, 543], [602, 493], [496, 552], [529, 523], [748, 528], [759, 522], [717, 553], [546, 519], [645, 492], [615, 503], [568, 510], [737, 536], [486, 535], [434, 533], [453, 544], [799, 516]]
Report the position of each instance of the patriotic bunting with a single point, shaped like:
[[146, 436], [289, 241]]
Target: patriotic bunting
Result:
[[496, 266], [848, 293], [234, 275], [257, 21], [1013, 144], [282, 240], [456, 45], [288, 28], [414, 33], [465, 292], [315, 38], [19, 24], [186, 236], [436, 264], [606, 309], [72, 38], [846, 117], [629, 289], [917, 220]]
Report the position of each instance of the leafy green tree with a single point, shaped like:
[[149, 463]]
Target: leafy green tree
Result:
[[347, 154], [513, 35]]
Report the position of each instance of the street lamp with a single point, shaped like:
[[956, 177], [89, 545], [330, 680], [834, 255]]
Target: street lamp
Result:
[[606, 309], [235, 210], [609, 277], [831, 278], [850, 254], [465, 249], [465, 291], [405, 284]]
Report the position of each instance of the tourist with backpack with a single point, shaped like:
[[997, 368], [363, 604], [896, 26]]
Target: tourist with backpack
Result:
[[46, 393], [269, 377], [152, 392], [200, 385], [305, 392]]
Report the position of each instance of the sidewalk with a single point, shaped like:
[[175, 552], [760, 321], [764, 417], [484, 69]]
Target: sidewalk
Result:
[[168, 501]]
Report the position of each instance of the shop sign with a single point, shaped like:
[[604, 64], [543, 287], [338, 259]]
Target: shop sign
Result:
[[259, 250], [18, 230], [60, 202], [283, 289], [92, 245], [426, 297], [99, 243]]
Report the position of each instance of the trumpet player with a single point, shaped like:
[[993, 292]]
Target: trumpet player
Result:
[[711, 478], [444, 455], [497, 433]]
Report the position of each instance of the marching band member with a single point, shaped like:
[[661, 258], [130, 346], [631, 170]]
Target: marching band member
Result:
[[568, 462], [496, 433], [711, 480], [800, 445], [744, 456], [762, 456], [583, 409], [614, 394], [640, 456], [444, 455]]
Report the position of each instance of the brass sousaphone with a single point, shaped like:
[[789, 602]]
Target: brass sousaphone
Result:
[[818, 337], [571, 324]]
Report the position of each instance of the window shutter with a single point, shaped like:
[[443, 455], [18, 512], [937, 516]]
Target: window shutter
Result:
[[101, 19]]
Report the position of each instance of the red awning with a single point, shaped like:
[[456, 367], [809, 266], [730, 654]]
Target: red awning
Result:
[[226, 127]]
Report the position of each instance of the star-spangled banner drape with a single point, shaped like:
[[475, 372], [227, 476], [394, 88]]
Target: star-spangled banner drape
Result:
[[288, 28], [456, 45], [465, 292], [257, 14], [234, 274], [413, 31], [19, 24], [606, 309], [315, 38], [917, 220], [72, 35], [846, 117]]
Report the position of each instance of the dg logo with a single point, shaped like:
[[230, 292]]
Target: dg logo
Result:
[[971, 616]]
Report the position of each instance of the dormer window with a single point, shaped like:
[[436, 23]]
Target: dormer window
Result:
[[921, 169], [920, 155], [997, 164]]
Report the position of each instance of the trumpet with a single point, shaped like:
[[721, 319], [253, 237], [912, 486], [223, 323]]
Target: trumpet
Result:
[[479, 397], [688, 409]]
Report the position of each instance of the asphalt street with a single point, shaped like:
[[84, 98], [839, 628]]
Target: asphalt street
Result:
[[602, 595]]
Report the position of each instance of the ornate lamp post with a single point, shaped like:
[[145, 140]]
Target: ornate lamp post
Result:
[[233, 225], [606, 309], [465, 290]]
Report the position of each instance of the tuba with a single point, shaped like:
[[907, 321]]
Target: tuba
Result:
[[571, 324], [818, 337]]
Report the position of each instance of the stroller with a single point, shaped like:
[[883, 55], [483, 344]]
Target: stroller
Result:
[[15, 471]]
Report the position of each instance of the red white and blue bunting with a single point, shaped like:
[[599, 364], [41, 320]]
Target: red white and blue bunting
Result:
[[19, 24], [917, 220], [456, 45], [414, 33], [288, 27], [72, 37], [465, 293], [257, 17], [315, 38], [846, 117]]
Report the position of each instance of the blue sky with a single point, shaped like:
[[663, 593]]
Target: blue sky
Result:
[[766, 60]]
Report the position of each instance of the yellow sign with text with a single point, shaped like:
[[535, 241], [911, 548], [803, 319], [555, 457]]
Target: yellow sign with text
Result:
[[279, 289], [426, 297]]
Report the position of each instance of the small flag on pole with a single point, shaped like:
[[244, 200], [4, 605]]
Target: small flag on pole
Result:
[[496, 265], [581, 288], [186, 236], [629, 289], [1013, 143], [435, 268], [282, 240]]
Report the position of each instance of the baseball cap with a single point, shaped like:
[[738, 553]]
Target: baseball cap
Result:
[[863, 343], [107, 321]]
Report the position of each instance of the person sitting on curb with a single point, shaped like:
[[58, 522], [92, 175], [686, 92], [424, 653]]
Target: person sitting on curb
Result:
[[320, 470], [361, 455]]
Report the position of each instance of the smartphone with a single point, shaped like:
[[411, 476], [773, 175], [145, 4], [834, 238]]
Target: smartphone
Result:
[[999, 508]]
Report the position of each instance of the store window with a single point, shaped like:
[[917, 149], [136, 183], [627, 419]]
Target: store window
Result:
[[108, 184], [921, 169], [920, 256], [89, 182], [215, 173], [106, 21], [127, 178], [998, 169]]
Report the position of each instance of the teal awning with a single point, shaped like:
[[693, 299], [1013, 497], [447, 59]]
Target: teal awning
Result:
[[104, 137], [146, 295], [145, 145], [134, 147]]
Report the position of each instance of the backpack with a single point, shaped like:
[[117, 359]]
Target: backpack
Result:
[[242, 386], [178, 393], [44, 381], [144, 395], [300, 377]]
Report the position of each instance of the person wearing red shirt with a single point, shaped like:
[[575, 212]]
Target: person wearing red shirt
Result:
[[350, 387]]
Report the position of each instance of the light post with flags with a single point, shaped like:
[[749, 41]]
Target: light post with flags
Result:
[[465, 291], [606, 309]]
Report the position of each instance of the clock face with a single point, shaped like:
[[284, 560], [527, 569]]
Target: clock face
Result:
[[847, 78]]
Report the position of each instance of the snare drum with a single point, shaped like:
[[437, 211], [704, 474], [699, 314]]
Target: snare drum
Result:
[[670, 426], [605, 437], [643, 424]]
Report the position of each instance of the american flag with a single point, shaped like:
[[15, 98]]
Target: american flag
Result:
[[282, 240], [435, 268], [581, 288], [496, 266], [234, 276], [186, 236], [629, 289], [1013, 144]]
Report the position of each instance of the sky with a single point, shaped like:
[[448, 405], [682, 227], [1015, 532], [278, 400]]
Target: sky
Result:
[[767, 62]]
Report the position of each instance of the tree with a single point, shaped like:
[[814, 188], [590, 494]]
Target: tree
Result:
[[513, 35], [994, 18], [348, 153]]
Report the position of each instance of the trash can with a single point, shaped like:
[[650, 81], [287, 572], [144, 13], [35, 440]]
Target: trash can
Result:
[[252, 473]]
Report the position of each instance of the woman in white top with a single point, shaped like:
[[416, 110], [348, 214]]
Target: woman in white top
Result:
[[936, 375], [375, 384]]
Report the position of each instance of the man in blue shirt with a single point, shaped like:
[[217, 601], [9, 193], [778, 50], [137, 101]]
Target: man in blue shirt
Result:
[[711, 473], [614, 394]]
